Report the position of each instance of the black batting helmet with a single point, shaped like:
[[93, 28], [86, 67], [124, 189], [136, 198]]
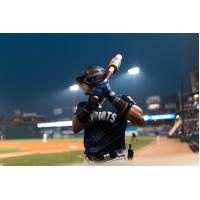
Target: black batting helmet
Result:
[[92, 75]]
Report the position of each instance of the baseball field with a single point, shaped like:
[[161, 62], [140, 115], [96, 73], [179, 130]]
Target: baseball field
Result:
[[55, 152]]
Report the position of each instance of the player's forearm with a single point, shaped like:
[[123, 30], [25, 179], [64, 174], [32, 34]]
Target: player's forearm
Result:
[[122, 106], [81, 119], [77, 126], [131, 112], [135, 116]]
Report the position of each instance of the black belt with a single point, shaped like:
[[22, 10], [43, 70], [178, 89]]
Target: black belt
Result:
[[109, 156]]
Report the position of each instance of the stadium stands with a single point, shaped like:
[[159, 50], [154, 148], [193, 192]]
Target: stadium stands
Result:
[[191, 121], [20, 132]]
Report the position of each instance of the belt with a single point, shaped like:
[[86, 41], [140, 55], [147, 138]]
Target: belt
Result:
[[106, 157]]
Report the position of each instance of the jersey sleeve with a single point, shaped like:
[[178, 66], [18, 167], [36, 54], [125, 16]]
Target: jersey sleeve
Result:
[[128, 99], [79, 107]]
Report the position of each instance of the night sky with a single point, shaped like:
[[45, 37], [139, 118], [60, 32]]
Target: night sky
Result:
[[37, 69]]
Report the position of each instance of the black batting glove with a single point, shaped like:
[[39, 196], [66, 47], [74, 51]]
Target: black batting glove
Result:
[[98, 90]]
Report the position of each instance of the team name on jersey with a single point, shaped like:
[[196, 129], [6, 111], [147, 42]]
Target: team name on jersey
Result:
[[103, 116]]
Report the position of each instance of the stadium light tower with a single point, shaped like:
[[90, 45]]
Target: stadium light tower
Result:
[[134, 70], [74, 88]]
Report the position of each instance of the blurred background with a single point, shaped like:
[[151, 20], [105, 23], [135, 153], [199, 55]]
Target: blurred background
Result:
[[38, 92]]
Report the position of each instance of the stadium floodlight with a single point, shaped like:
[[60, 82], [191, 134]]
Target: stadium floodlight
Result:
[[74, 88], [134, 71]]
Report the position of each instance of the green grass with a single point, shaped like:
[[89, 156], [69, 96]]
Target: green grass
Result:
[[9, 150], [40, 139], [45, 159], [141, 141], [70, 158]]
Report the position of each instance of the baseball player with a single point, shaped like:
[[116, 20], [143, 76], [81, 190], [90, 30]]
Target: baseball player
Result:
[[134, 137], [104, 126]]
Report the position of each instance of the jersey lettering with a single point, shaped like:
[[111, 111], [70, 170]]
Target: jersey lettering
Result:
[[108, 115], [113, 117], [95, 115], [103, 116]]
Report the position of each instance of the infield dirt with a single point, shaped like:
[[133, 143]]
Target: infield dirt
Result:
[[168, 152], [34, 147]]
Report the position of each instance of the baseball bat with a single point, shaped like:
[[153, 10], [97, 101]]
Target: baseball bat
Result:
[[113, 67]]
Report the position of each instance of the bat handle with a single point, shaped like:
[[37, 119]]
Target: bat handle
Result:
[[109, 74], [95, 99], [113, 67]]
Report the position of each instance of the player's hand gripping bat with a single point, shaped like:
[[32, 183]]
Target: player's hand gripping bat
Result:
[[112, 68]]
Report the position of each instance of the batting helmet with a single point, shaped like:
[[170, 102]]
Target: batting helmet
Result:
[[92, 75]]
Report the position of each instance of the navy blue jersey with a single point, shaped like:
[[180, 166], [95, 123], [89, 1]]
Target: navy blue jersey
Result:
[[105, 131]]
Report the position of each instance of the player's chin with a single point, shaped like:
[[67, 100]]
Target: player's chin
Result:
[[86, 93]]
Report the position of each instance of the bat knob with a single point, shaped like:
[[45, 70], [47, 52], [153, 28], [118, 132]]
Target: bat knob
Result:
[[119, 56]]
